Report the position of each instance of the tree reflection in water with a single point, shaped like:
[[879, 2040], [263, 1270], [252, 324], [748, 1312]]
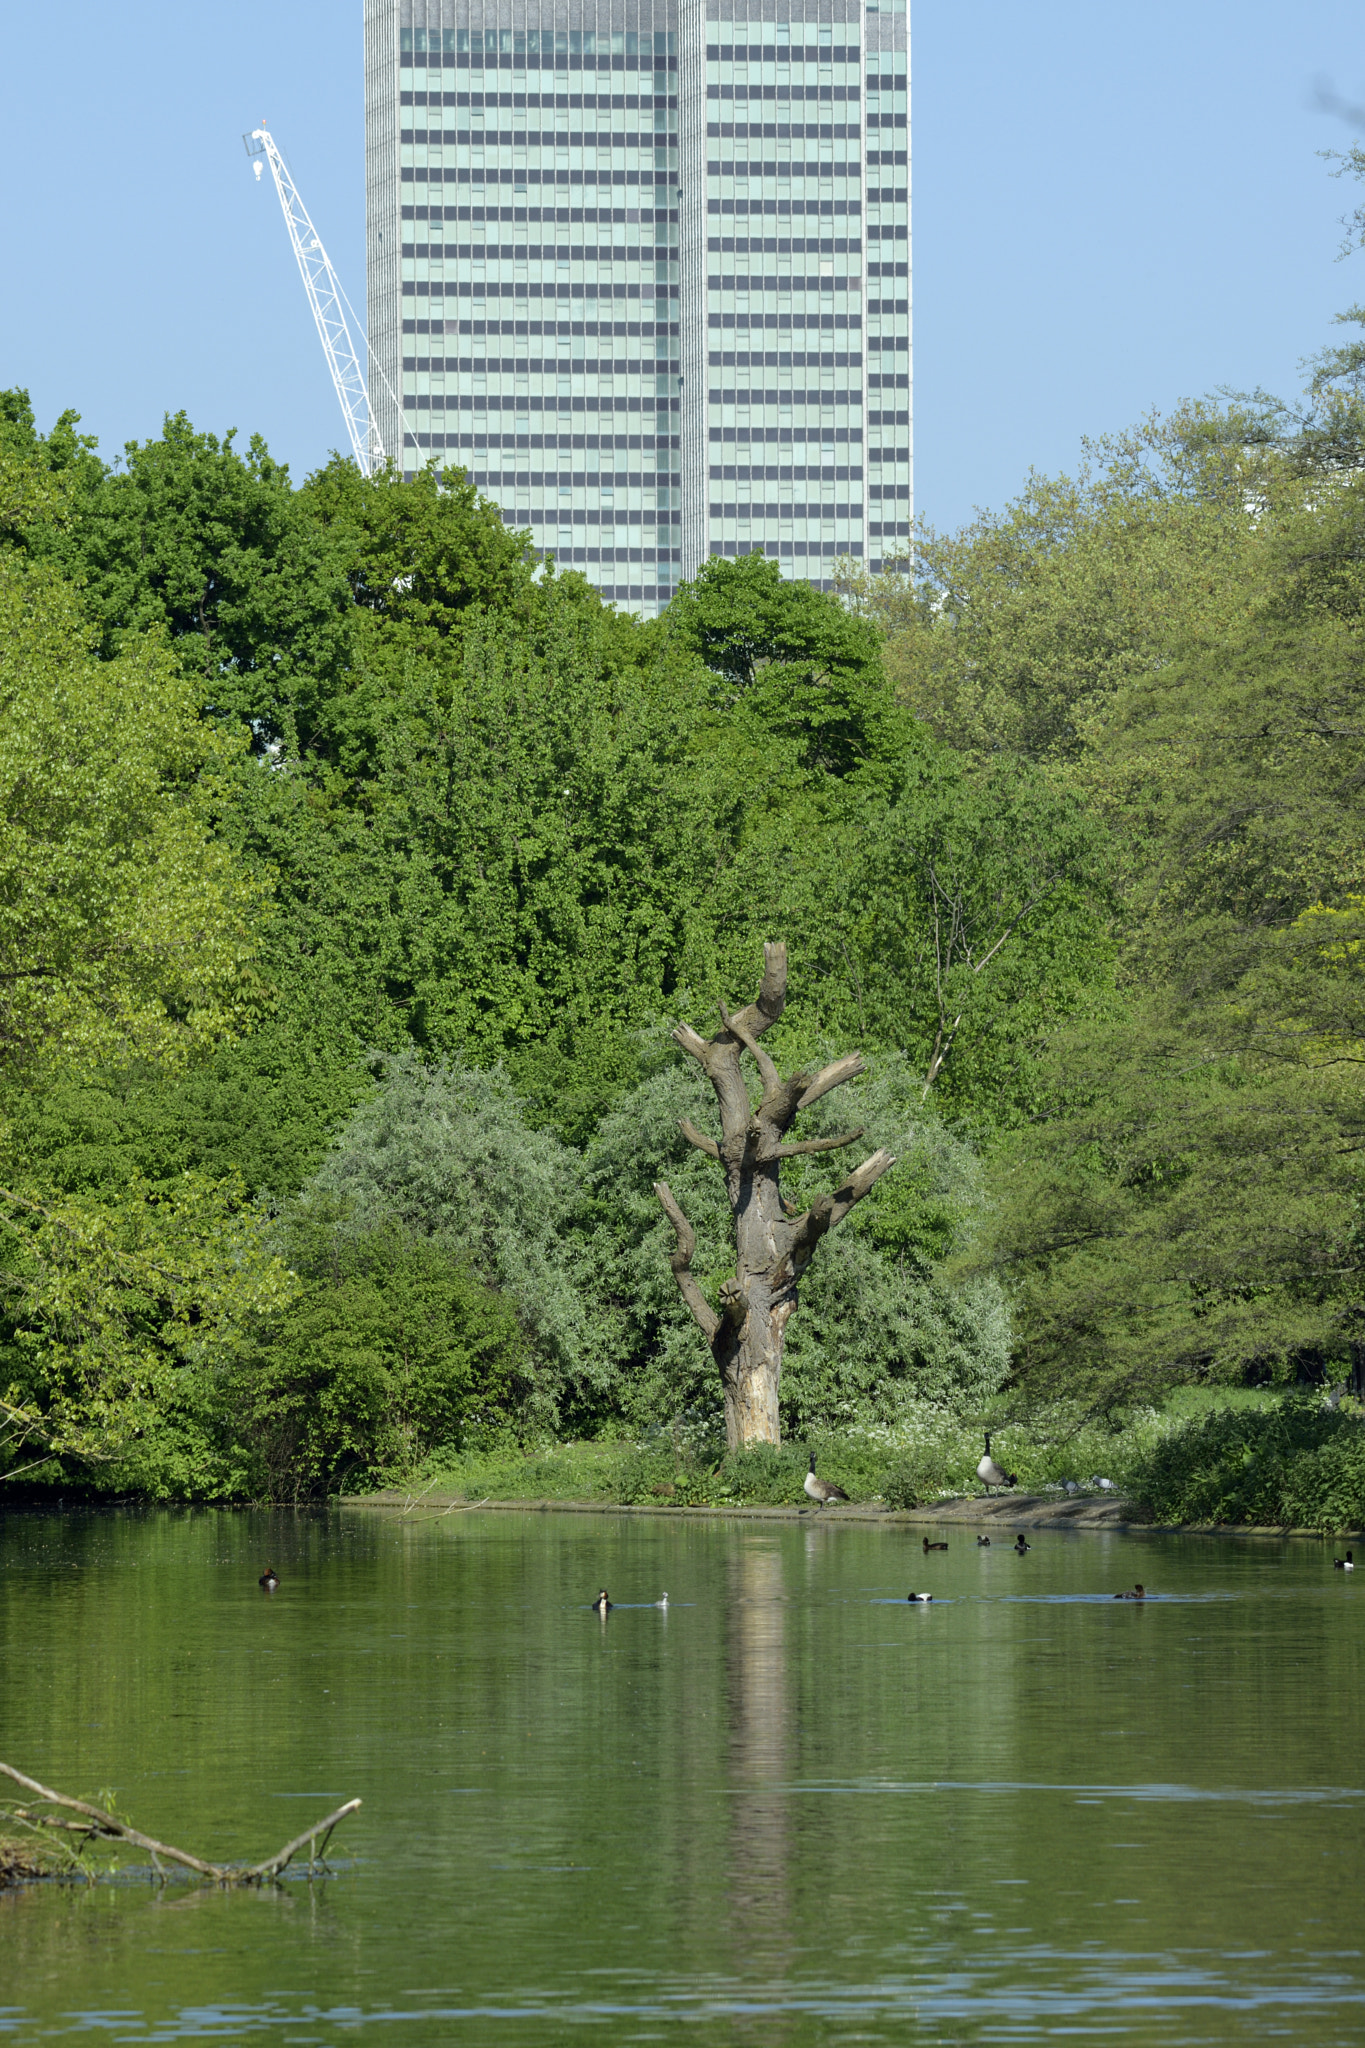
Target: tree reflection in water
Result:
[[760, 1763]]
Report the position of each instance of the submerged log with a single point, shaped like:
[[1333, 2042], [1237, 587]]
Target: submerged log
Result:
[[96, 1824]]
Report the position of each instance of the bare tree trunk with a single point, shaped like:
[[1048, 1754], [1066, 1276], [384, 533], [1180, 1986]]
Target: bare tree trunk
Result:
[[772, 1251]]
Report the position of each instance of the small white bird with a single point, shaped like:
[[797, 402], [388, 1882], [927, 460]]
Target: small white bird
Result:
[[662, 1601], [822, 1491], [990, 1474]]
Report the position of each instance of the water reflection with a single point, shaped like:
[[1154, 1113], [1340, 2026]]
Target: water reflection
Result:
[[759, 1759], [792, 1814]]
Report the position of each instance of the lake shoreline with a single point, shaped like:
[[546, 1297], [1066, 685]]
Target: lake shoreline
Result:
[[1010, 1513]]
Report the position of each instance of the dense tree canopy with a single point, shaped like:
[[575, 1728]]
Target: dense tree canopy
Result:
[[1185, 1202], [353, 865]]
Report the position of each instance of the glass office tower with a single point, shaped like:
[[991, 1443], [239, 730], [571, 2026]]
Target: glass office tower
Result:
[[641, 268]]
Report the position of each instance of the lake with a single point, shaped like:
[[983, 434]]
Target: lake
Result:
[[791, 1809]]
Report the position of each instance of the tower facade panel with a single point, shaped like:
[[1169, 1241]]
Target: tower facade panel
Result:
[[620, 266]]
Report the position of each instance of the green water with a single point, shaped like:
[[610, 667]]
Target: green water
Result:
[[787, 1811]]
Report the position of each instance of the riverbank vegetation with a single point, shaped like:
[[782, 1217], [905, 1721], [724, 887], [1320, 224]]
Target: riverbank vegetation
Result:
[[354, 868], [1226, 1455]]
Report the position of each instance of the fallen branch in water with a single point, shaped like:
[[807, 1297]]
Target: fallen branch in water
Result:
[[98, 1825]]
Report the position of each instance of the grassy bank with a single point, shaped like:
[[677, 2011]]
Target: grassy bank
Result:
[[1230, 1455]]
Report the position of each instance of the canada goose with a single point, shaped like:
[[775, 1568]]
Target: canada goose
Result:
[[934, 1546], [601, 1604], [990, 1474], [822, 1491], [919, 1599], [1138, 1593], [1344, 1564], [983, 1542], [269, 1578], [1020, 1546]]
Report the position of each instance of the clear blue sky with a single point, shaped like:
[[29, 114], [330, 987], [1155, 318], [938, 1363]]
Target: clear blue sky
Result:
[[1115, 208]]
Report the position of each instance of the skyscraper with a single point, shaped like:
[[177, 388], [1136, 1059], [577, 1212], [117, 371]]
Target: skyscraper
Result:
[[642, 268]]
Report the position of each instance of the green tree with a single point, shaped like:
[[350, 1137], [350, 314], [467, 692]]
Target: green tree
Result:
[[126, 939], [517, 873], [1009, 636], [125, 927], [1188, 1202], [389, 1349], [794, 667]]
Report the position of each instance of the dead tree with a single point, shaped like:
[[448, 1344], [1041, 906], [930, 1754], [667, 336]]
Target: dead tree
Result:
[[772, 1250], [97, 1825]]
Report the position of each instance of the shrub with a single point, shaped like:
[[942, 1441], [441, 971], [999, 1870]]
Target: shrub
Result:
[[1325, 1489], [1298, 1463], [391, 1348], [911, 1480]]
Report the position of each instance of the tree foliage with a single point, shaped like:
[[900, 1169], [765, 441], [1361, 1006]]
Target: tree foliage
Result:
[[389, 1349], [446, 826], [125, 926], [1188, 1202], [575, 1240]]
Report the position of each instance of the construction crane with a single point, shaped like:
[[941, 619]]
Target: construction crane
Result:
[[330, 306]]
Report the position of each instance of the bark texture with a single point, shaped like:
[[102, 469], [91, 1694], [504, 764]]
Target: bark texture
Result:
[[772, 1250]]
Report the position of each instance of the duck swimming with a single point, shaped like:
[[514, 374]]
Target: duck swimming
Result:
[[934, 1546], [919, 1599], [1344, 1564], [1020, 1546], [1138, 1593], [601, 1604], [822, 1491], [983, 1542], [269, 1579], [662, 1600], [990, 1474]]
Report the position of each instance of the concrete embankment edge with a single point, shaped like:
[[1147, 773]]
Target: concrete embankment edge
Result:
[[1004, 1512]]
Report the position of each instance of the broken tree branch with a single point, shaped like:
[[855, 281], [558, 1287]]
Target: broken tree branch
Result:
[[100, 1825], [681, 1261], [691, 1041], [829, 1210], [832, 1076], [772, 995], [805, 1145], [698, 1138], [273, 1865], [767, 1067]]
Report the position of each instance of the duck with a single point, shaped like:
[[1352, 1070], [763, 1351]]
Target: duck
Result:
[[1138, 1593], [601, 1604], [822, 1491], [990, 1474], [1344, 1564], [269, 1579], [662, 1600], [919, 1599], [983, 1542], [1020, 1546], [934, 1546]]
